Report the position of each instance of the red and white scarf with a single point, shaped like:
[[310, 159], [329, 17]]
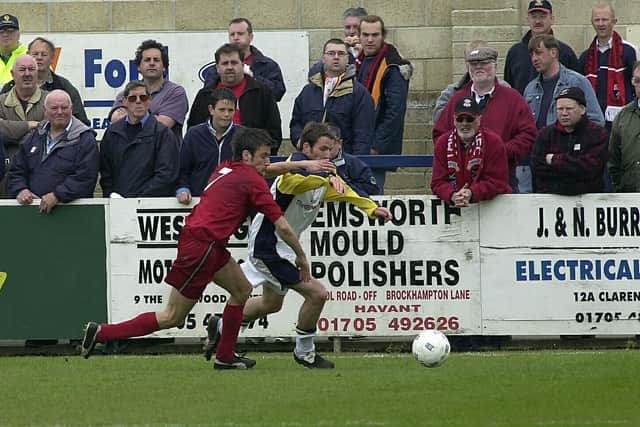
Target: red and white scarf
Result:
[[473, 159], [616, 93]]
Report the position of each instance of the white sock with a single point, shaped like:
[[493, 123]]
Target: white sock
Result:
[[304, 343]]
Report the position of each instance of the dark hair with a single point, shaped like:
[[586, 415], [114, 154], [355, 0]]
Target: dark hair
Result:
[[228, 49], [134, 84], [635, 66], [240, 21], [334, 41], [220, 94], [372, 19], [249, 139], [152, 44], [313, 131], [49, 44], [547, 40]]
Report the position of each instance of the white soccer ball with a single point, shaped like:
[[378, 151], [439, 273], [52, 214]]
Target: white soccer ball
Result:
[[431, 348]]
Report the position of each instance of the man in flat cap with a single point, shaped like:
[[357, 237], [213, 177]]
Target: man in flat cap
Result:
[[504, 110], [569, 156], [10, 46]]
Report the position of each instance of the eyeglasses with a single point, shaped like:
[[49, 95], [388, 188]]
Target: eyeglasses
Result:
[[134, 98], [465, 119], [339, 53]]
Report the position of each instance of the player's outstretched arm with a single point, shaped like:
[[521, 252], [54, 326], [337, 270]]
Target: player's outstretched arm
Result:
[[287, 234], [313, 166]]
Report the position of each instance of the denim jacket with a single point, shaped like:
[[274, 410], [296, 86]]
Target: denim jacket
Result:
[[568, 78]]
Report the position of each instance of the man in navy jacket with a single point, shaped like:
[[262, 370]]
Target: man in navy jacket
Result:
[[335, 96], [57, 161], [138, 155]]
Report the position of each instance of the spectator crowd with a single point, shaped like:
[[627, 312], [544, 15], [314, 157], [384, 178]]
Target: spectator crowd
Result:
[[558, 122]]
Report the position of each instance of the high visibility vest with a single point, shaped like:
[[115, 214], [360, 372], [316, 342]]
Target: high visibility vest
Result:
[[5, 67]]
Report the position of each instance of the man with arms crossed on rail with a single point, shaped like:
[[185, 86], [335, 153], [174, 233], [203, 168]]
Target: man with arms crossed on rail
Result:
[[234, 190], [269, 263]]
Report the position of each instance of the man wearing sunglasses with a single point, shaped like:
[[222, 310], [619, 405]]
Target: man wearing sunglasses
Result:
[[138, 154], [470, 161], [504, 110], [335, 96]]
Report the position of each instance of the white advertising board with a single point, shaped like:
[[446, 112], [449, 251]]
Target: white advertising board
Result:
[[101, 64], [418, 272], [561, 265]]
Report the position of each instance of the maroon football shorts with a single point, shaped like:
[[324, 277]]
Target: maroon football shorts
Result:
[[195, 265]]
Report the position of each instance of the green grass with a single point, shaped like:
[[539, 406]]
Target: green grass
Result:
[[544, 388]]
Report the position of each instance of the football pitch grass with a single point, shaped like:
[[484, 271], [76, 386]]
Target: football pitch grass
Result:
[[541, 388]]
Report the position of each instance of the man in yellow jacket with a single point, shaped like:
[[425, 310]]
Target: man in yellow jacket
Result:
[[10, 46]]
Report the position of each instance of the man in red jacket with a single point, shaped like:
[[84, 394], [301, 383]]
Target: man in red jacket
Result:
[[470, 162], [504, 110]]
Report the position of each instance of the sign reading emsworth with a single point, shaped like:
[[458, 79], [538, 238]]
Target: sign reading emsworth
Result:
[[101, 64], [419, 272]]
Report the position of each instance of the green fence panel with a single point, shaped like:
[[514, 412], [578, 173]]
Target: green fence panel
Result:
[[54, 269]]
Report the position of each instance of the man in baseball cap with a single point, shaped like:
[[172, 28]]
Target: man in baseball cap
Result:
[[469, 162], [569, 156], [10, 46], [518, 70]]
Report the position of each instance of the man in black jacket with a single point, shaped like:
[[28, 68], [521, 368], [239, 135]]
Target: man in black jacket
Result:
[[518, 69], [256, 64], [257, 107]]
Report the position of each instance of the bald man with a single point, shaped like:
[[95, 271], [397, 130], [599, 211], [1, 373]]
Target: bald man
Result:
[[58, 161]]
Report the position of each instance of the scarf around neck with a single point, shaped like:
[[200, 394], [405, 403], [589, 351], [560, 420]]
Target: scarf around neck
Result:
[[473, 159], [616, 93]]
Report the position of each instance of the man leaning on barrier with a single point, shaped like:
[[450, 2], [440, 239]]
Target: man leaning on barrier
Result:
[[138, 155], [470, 162], [58, 161], [569, 156]]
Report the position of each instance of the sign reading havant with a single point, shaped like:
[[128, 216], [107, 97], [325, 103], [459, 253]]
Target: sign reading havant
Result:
[[417, 272]]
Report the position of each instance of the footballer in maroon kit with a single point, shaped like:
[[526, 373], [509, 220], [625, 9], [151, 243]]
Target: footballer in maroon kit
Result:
[[234, 190]]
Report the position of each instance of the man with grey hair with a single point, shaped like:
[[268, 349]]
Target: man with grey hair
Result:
[[21, 109], [43, 51], [58, 161], [446, 94], [504, 110], [351, 25]]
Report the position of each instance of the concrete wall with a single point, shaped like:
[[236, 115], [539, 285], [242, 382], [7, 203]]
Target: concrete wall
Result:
[[431, 33]]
